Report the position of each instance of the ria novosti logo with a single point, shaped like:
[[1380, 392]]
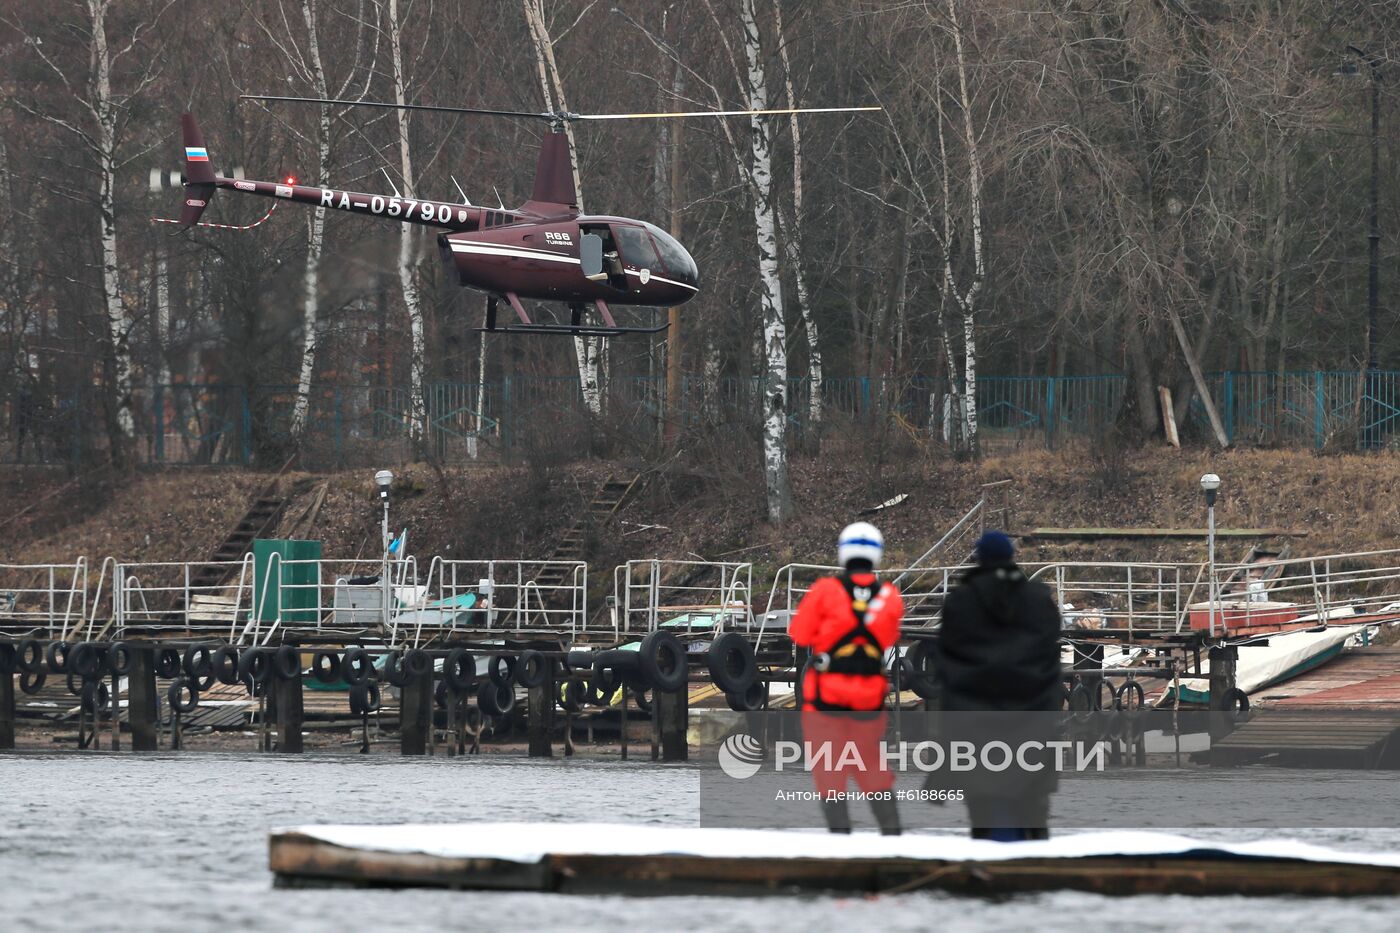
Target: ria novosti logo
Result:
[[740, 756]]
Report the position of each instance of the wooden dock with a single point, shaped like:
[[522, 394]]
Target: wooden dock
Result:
[[1359, 679], [660, 860]]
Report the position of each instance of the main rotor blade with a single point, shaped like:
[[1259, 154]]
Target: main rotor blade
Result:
[[371, 103], [716, 113]]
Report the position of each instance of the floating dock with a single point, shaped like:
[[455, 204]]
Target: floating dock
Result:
[[599, 858]]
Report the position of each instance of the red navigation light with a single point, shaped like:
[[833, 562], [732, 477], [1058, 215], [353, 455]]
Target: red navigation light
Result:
[[291, 179]]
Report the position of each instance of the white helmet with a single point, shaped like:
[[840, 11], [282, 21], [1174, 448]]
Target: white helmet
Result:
[[861, 540]]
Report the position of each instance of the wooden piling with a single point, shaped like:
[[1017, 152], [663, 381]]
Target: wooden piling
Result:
[[415, 714], [141, 701], [540, 726], [673, 712], [1222, 681], [7, 711], [291, 714]]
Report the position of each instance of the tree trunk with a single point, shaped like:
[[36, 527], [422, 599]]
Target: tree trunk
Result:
[[587, 350], [408, 247], [316, 234], [792, 241], [775, 408], [114, 310]]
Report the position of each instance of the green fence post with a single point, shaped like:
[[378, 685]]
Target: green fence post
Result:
[[1229, 402], [505, 413], [865, 397], [158, 414], [1319, 409], [1050, 411], [339, 425], [247, 431]]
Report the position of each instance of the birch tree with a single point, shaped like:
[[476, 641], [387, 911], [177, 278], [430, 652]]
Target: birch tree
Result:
[[408, 239], [308, 65], [102, 111], [792, 241], [775, 408], [587, 350], [966, 297]]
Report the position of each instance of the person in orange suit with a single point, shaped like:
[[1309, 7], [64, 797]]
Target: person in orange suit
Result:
[[848, 622]]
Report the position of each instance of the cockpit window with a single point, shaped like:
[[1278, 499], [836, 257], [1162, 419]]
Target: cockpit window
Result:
[[636, 246], [673, 255]]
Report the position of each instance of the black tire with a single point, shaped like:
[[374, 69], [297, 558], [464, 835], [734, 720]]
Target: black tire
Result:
[[417, 663], [751, 700], [393, 675], [1081, 703], [31, 682], [286, 663], [1131, 686], [732, 664], [440, 694], [644, 703], [255, 666], [579, 660], [57, 656], [9, 658], [96, 697], [663, 661], [203, 682], [364, 697], [123, 658], [1104, 695], [31, 655], [84, 660], [74, 683], [167, 663], [355, 666], [501, 669], [532, 670], [573, 694], [920, 676], [459, 670], [601, 689], [325, 666], [1235, 703], [495, 699], [615, 667], [198, 660], [225, 664], [176, 696]]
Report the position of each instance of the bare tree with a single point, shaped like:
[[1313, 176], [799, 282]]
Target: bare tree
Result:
[[587, 350], [103, 111]]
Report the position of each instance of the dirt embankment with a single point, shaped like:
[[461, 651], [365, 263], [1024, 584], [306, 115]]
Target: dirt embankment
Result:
[[1344, 503]]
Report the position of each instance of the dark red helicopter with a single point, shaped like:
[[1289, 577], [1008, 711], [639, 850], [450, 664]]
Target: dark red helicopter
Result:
[[545, 249]]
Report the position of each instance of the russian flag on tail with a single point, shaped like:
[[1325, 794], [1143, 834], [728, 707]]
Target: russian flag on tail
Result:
[[196, 154]]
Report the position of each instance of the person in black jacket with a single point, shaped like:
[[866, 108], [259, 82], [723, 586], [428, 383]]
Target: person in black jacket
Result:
[[998, 653]]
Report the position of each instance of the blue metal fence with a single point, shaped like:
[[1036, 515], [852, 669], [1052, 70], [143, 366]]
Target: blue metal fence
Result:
[[353, 425]]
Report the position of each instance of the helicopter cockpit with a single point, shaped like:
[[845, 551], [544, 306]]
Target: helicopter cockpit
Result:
[[610, 250]]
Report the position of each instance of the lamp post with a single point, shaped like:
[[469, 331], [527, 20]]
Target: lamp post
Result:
[[1210, 483], [1371, 432], [382, 480]]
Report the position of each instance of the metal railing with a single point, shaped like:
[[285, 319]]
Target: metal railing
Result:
[[682, 595], [45, 600], [1324, 589], [486, 596], [164, 597], [1123, 595]]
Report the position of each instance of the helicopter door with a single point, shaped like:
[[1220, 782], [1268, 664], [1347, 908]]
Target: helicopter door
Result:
[[591, 257]]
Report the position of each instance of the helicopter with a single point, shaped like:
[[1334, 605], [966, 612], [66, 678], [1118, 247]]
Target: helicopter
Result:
[[544, 250]]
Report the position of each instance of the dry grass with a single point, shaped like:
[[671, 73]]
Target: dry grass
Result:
[[1344, 502]]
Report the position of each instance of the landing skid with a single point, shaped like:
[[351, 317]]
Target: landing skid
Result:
[[575, 328], [568, 330]]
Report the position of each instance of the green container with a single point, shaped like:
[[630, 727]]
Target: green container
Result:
[[291, 588]]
